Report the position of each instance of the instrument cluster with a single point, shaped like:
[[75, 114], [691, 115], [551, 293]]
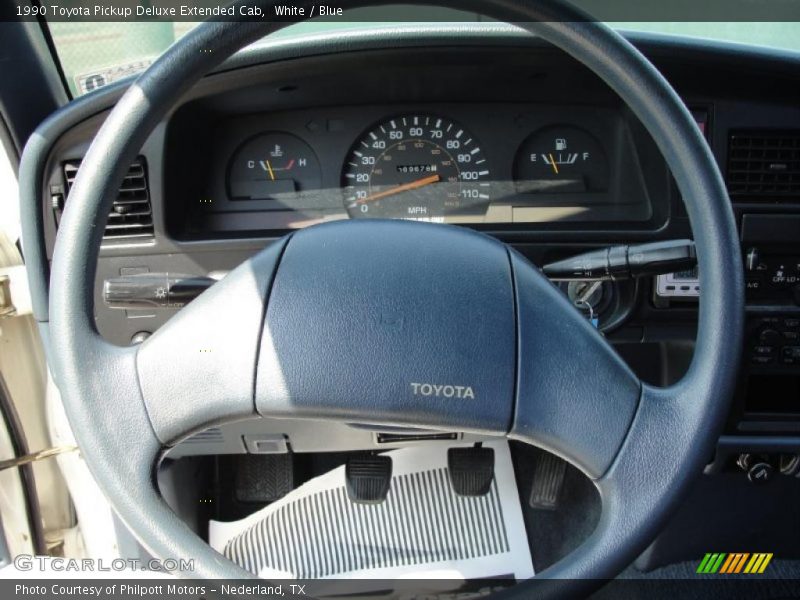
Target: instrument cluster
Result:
[[485, 167]]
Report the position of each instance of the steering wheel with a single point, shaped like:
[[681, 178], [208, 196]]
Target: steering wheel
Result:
[[344, 321]]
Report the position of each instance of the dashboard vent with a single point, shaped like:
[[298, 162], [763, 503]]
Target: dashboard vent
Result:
[[131, 217], [764, 165]]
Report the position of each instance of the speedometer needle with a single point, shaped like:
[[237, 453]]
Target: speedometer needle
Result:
[[411, 185]]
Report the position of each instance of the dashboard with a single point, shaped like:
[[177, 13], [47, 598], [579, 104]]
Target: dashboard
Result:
[[490, 130]]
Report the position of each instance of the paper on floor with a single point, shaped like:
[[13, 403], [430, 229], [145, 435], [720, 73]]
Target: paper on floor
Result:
[[422, 530]]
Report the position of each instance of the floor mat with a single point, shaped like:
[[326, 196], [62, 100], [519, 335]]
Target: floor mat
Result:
[[421, 530]]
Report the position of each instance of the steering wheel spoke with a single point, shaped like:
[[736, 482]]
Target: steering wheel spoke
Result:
[[199, 369], [575, 395]]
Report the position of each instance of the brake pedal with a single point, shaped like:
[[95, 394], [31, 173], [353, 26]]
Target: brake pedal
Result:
[[548, 479], [471, 470], [368, 478]]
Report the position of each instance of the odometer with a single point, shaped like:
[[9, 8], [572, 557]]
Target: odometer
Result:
[[419, 167]]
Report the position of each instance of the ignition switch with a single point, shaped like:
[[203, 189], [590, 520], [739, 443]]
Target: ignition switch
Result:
[[592, 298], [585, 294]]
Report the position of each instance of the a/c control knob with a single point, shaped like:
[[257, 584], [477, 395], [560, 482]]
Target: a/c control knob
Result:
[[770, 337]]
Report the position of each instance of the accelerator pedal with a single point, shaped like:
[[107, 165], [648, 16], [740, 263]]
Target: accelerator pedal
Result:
[[548, 479]]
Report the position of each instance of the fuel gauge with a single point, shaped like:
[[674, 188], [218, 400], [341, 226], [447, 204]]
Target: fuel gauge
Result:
[[274, 166], [560, 159]]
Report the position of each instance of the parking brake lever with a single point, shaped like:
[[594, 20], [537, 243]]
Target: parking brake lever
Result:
[[626, 262], [154, 290]]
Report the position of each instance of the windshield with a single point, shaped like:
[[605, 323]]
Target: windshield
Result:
[[95, 54]]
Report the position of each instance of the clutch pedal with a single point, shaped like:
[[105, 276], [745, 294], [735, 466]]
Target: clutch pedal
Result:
[[264, 477], [368, 478]]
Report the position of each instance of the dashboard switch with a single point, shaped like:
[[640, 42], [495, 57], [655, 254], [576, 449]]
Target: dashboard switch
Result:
[[770, 337], [753, 260], [791, 355], [760, 473], [762, 360], [759, 467]]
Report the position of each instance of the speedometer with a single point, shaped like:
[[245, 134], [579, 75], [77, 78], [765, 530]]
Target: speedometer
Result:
[[419, 167]]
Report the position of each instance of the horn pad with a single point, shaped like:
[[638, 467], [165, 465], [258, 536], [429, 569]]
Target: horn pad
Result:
[[391, 323]]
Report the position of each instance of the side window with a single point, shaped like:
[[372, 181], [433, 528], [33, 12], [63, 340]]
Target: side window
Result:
[[9, 198]]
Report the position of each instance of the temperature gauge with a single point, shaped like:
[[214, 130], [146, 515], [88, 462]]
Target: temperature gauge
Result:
[[274, 166], [560, 159]]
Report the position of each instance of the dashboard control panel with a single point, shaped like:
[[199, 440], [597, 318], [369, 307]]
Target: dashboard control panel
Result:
[[773, 288], [775, 341]]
